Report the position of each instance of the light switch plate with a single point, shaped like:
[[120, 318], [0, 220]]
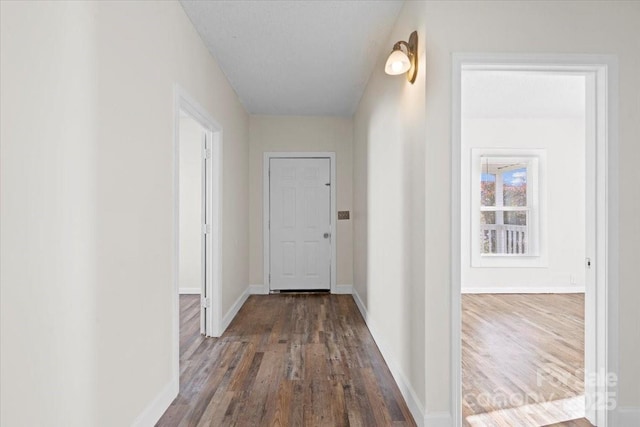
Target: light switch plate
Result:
[[343, 215]]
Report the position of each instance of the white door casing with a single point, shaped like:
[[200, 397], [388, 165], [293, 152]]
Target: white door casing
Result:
[[300, 223]]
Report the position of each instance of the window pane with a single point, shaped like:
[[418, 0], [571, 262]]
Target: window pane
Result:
[[515, 187], [488, 189], [488, 233], [487, 217], [515, 218]]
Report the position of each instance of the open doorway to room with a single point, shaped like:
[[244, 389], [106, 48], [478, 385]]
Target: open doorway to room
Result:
[[192, 213], [197, 290], [529, 305], [197, 236], [523, 246]]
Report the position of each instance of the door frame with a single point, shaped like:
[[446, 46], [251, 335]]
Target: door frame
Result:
[[213, 263], [603, 346], [331, 155]]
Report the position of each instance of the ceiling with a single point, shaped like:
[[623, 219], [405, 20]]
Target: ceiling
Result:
[[523, 94], [296, 57]]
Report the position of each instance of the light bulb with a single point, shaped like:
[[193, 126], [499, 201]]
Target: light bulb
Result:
[[397, 63], [397, 67]]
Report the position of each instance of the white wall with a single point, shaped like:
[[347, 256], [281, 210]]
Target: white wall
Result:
[[303, 133], [190, 263], [87, 203], [395, 118], [48, 240], [389, 211], [560, 132]]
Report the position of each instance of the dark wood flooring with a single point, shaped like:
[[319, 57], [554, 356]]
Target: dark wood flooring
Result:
[[285, 360], [520, 352]]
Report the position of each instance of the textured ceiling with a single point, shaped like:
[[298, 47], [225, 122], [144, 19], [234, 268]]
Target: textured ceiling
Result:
[[295, 57]]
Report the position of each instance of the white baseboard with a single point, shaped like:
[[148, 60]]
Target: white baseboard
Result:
[[258, 290], [189, 291], [360, 305], [344, 289], [438, 419], [573, 289], [628, 416], [235, 308], [152, 413], [410, 397]]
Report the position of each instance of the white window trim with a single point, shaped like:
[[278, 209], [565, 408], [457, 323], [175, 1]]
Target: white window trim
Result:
[[536, 201]]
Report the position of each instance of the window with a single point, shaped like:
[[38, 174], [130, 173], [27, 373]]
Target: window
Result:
[[505, 206]]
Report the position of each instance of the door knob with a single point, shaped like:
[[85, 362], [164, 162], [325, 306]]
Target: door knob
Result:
[[326, 235]]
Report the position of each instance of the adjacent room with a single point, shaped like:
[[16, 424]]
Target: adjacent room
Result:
[[525, 137]]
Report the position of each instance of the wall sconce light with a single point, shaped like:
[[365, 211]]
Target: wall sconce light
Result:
[[404, 58]]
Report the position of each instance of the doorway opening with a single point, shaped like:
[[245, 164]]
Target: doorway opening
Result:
[[197, 226], [193, 267], [523, 246], [530, 268]]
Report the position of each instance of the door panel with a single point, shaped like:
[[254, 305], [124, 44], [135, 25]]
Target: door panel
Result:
[[299, 214]]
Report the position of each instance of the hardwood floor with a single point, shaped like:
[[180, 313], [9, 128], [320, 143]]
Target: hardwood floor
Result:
[[523, 359], [582, 422], [286, 360]]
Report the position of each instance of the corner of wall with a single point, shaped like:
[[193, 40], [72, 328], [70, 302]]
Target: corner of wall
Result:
[[152, 413], [235, 308]]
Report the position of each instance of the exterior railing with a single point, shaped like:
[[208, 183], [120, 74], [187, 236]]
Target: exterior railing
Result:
[[503, 239]]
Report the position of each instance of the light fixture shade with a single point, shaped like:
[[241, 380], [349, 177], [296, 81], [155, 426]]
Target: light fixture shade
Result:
[[397, 63], [404, 58]]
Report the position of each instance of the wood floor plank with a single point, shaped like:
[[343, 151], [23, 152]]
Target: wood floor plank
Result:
[[285, 360], [380, 410], [297, 404], [360, 410], [282, 416]]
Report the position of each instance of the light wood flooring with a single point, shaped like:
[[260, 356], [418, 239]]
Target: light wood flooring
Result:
[[523, 360], [285, 360]]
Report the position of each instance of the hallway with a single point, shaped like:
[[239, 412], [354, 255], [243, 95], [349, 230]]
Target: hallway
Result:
[[92, 97], [285, 360]]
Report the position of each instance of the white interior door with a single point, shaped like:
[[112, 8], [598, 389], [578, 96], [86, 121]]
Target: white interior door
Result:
[[300, 223]]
